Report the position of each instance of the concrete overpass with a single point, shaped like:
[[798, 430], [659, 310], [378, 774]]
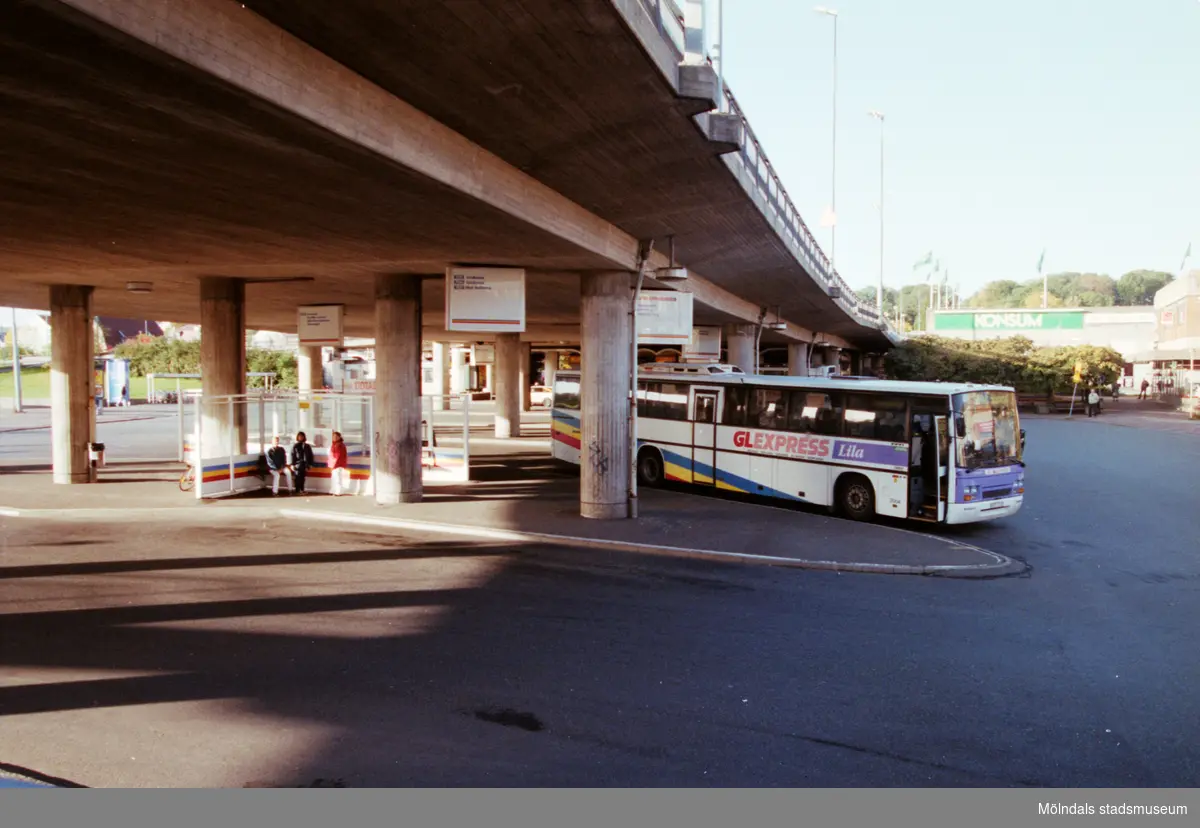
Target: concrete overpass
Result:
[[249, 157]]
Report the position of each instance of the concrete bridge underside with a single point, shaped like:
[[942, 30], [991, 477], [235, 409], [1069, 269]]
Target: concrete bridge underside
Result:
[[216, 151], [247, 158]]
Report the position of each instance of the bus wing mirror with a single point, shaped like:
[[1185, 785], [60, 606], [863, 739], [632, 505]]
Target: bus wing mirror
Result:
[[1022, 440], [960, 425]]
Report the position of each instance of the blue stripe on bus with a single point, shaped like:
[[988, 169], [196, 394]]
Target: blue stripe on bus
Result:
[[724, 479], [566, 418]]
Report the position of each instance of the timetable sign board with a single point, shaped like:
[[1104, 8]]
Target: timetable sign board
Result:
[[485, 299]]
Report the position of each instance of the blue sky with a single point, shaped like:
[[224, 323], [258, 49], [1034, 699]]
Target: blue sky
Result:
[[1011, 126]]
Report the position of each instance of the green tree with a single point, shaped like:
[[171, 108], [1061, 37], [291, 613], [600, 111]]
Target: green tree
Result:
[[1137, 287], [160, 356], [914, 306], [867, 295], [1004, 293], [1013, 361], [283, 363]]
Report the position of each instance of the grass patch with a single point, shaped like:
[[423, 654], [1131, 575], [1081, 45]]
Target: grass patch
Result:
[[35, 385]]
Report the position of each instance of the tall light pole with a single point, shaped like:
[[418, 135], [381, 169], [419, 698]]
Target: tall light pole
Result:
[[720, 55], [833, 173], [874, 113]]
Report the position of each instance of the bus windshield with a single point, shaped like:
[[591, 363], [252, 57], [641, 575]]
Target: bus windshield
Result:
[[990, 436]]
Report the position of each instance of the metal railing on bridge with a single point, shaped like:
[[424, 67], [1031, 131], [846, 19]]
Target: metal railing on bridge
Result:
[[771, 194]]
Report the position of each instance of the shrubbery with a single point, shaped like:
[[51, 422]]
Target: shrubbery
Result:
[[174, 356], [1012, 361]]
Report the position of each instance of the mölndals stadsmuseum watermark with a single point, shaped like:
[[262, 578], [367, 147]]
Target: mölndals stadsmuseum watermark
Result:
[[1124, 808]]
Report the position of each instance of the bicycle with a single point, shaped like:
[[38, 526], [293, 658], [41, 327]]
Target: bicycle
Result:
[[187, 480]]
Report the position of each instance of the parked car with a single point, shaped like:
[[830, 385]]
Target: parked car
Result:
[[539, 396]]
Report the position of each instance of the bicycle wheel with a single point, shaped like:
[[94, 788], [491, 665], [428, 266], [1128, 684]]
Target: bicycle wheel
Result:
[[188, 479]]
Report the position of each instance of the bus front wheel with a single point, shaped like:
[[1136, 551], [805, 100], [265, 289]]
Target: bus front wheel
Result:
[[650, 467], [856, 497]]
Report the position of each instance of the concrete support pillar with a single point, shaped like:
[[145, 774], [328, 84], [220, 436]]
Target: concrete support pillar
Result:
[[508, 385], [551, 368], [72, 406], [309, 377], [604, 395], [740, 339], [797, 359], [458, 370], [309, 369], [832, 356], [526, 377], [222, 364], [437, 389], [397, 389]]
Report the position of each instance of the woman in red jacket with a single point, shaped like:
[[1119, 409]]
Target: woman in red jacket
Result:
[[339, 466]]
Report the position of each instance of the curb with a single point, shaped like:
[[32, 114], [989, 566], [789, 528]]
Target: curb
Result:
[[1003, 565]]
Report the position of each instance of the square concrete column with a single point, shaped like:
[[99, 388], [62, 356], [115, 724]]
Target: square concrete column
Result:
[[222, 364], [397, 389], [438, 388], [604, 395], [309, 369], [740, 339], [551, 368], [72, 405], [526, 377], [797, 359], [458, 370], [508, 385]]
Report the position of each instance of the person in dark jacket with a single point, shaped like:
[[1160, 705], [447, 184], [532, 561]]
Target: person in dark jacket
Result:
[[277, 463], [302, 459]]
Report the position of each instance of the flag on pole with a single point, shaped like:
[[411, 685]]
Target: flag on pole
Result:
[[924, 261], [1041, 259], [1186, 256]]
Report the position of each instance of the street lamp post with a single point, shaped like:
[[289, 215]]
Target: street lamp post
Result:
[[874, 113], [833, 172]]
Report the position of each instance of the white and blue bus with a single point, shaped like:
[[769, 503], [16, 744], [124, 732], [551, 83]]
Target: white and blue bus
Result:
[[927, 451]]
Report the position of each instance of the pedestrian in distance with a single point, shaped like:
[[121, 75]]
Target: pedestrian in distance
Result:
[[339, 466], [1145, 388], [1093, 402], [277, 464], [302, 460]]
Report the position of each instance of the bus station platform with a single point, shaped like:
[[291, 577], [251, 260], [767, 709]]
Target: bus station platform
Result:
[[527, 498]]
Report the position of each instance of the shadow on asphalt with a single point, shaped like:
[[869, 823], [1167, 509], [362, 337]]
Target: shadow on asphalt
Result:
[[443, 704]]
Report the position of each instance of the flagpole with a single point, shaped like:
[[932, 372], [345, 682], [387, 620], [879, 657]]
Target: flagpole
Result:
[[1045, 280]]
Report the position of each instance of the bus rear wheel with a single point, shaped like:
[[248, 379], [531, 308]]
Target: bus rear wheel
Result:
[[856, 497], [650, 467]]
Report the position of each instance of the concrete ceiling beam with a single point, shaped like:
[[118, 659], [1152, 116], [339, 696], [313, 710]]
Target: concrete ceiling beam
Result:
[[233, 43]]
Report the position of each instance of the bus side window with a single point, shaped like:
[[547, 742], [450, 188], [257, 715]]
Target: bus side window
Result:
[[672, 401], [875, 417], [769, 409], [735, 406], [648, 401], [803, 410], [829, 416]]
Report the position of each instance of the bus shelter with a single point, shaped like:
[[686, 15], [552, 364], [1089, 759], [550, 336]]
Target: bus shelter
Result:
[[225, 438]]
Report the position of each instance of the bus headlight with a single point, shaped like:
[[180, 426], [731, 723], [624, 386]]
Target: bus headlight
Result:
[[1019, 487], [970, 492]]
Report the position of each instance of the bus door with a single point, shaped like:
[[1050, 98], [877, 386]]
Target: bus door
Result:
[[944, 464], [707, 402]]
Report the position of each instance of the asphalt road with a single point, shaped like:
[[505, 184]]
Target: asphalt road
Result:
[[416, 662]]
